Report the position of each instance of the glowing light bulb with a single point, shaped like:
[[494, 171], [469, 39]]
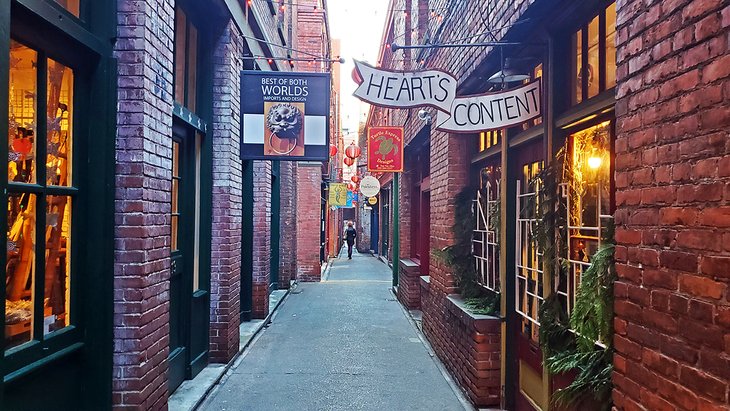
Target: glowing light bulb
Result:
[[594, 162]]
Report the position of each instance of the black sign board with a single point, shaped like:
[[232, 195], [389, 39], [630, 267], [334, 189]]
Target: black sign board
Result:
[[285, 116]]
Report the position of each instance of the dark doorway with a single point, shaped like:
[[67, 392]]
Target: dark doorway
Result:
[[189, 291], [247, 243]]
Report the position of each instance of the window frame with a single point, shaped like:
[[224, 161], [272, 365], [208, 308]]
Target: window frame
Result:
[[82, 52], [582, 31]]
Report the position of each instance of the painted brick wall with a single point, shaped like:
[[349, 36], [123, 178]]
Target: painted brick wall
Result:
[[673, 197], [309, 180], [142, 197], [227, 198], [261, 237]]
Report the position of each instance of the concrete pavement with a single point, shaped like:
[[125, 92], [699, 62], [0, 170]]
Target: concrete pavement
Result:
[[342, 344]]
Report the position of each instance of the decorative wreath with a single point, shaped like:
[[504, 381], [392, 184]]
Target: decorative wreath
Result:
[[285, 121]]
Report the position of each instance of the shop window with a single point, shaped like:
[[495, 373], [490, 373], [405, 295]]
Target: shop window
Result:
[[485, 240], [588, 203], [529, 260], [175, 209], [594, 56], [186, 60], [38, 270], [534, 75], [488, 139], [71, 5]]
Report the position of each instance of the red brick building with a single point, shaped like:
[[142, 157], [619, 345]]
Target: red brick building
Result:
[[635, 123], [160, 239]]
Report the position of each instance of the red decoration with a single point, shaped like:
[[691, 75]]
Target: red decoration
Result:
[[349, 161], [23, 145], [385, 149], [355, 179], [352, 187], [352, 151], [333, 150]]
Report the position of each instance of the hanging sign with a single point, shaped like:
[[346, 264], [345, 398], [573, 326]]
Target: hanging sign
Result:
[[437, 89], [338, 194], [369, 186], [285, 116], [351, 198], [373, 200], [385, 149]]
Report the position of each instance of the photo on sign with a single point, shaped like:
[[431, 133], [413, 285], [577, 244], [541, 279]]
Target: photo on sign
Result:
[[285, 116], [284, 129]]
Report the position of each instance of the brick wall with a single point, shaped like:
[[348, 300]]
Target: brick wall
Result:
[[469, 345], [142, 198], [409, 287], [261, 237], [227, 198], [288, 224], [313, 39], [450, 162], [673, 197], [309, 180]]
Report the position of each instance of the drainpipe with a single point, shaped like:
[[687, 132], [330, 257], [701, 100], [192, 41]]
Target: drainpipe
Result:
[[396, 230]]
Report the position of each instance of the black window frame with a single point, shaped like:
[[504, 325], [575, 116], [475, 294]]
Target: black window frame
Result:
[[70, 42]]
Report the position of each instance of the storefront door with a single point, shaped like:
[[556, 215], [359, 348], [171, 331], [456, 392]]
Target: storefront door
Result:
[[528, 277], [189, 296]]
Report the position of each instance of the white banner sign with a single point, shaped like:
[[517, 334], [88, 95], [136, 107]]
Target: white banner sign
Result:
[[434, 88]]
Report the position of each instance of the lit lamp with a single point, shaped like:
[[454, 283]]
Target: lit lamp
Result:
[[594, 161]]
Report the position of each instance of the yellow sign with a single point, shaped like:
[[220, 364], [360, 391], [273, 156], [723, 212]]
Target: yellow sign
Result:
[[338, 194], [373, 200]]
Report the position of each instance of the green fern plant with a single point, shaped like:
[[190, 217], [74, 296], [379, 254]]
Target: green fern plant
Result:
[[569, 343]]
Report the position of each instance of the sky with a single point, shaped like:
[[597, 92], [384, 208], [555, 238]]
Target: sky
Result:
[[359, 26]]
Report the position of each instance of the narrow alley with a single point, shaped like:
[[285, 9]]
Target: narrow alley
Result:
[[342, 344]]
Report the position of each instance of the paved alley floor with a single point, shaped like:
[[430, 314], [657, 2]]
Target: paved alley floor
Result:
[[343, 344]]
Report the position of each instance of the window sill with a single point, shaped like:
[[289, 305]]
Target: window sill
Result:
[[43, 362]]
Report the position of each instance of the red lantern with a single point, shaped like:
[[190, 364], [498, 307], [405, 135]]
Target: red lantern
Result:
[[355, 179], [352, 187], [352, 151], [333, 150], [349, 161]]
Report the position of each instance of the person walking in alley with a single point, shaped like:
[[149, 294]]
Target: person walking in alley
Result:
[[350, 235]]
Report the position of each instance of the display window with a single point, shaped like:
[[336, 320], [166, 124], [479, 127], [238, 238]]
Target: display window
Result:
[[529, 259], [588, 201], [485, 239], [594, 56], [186, 60], [40, 196]]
